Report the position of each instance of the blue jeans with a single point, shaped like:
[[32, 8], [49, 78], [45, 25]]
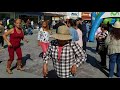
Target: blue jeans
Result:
[[30, 31], [114, 58]]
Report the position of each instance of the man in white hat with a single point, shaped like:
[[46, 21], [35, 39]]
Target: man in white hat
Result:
[[66, 55]]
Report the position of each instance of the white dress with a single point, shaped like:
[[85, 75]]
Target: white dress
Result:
[[80, 41], [43, 36]]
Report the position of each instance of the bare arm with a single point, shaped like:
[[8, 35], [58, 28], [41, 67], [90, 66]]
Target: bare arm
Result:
[[24, 39], [6, 34]]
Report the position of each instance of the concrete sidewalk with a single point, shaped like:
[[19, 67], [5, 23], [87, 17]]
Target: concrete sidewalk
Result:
[[16, 73]]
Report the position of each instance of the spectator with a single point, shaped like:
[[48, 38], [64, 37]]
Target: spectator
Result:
[[1, 34], [113, 43], [73, 31], [60, 23], [102, 50], [96, 33], [80, 42], [32, 24], [82, 27]]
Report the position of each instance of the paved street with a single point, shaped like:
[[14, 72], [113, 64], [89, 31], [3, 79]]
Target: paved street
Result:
[[33, 66]]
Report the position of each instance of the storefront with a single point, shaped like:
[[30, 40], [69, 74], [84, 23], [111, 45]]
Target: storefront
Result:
[[54, 15], [35, 16], [7, 15]]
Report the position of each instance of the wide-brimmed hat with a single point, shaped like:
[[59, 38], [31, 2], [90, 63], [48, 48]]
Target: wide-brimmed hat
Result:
[[116, 25], [63, 33]]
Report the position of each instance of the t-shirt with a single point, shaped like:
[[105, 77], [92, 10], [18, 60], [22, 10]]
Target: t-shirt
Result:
[[43, 36], [102, 35], [98, 31], [1, 30], [74, 34]]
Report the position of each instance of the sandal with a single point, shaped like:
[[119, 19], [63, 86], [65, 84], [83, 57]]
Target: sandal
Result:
[[20, 68], [9, 71]]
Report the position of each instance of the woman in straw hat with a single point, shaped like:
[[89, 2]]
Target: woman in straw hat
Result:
[[66, 55], [113, 43]]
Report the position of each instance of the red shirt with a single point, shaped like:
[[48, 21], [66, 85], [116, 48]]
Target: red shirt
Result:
[[15, 38], [59, 52]]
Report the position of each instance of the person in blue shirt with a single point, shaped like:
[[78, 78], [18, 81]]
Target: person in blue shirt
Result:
[[73, 31]]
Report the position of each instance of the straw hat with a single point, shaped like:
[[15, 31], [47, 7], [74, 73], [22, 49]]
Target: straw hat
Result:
[[63, 33], [117, 24]]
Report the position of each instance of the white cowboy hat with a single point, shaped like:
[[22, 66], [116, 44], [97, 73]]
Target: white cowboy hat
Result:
[[63, 33], [116, 25]]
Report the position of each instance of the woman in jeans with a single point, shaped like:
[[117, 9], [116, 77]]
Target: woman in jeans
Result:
[[113, 43]]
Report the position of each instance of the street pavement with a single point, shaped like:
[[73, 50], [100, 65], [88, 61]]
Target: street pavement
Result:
[[33, 65]]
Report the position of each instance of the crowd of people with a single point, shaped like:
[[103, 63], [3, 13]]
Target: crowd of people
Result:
[[68, 47], [108, 43]]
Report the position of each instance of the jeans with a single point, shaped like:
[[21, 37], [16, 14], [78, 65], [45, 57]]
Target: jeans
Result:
[[30, 31], [114, 58]]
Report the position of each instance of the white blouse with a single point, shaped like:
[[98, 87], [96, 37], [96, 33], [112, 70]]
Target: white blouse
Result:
[[80, 41], [43, 36]]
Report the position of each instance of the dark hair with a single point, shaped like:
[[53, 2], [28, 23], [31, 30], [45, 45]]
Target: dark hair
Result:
[[80, 19], [105, 27], [75, 22], [72, 22], [115, 32]]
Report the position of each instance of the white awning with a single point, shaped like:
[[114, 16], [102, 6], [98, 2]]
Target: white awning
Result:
[[55, 13]]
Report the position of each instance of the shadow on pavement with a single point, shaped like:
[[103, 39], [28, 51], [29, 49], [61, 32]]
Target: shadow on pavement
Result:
[[24, 59], [91, 49], [52, 74], [5, 46], [95, 64]]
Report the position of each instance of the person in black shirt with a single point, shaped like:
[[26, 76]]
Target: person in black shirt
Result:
[[60, 23], [102, 50]]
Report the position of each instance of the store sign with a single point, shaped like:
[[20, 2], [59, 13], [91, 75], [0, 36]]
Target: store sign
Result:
[[74, 14], [110, 14]]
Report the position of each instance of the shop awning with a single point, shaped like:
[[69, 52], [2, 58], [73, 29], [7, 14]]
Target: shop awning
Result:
[[55, 13], [30, 13]]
